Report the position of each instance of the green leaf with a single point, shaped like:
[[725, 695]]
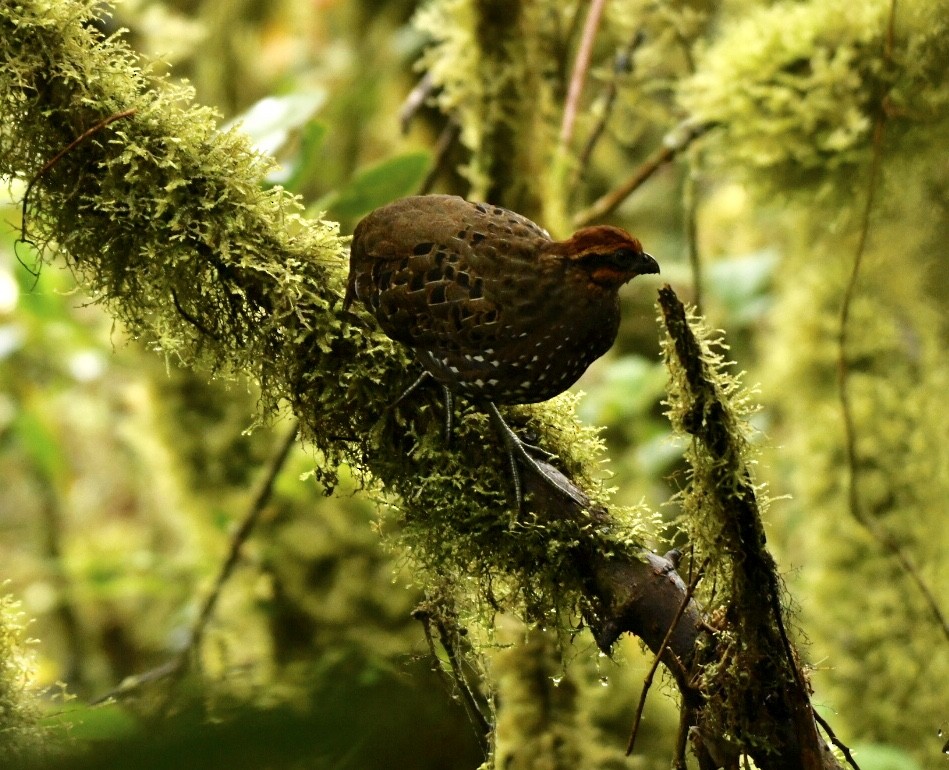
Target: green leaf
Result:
[[270, 121], [306, 163], [378, 185], [742, 284], [108, 722]]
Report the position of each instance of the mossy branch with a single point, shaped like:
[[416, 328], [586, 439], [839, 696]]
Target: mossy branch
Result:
[[164, 220], [756, 691]]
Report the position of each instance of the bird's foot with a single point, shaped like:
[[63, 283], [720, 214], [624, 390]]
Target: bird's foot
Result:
[[519, 451], [449, 401], [411, 388]]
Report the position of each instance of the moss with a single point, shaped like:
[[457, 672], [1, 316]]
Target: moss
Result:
[[490, 61], [795, 87], [164, 219], [750, 681], [537, 723], [21, 736]]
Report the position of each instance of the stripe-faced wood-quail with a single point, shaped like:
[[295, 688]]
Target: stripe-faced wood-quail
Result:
[[492, 307]]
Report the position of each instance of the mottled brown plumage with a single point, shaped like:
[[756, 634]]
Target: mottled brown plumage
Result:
[[492, 307]]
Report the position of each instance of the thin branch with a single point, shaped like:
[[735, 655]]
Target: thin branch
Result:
[[24, 214], [474, 711], [425, 618], [674, 143], [682, 741], [844, 749], [657, 657], [581, 66], [692, 236], [415, 101], [59, 156], [621, 65], [177, 666], [264, 493], [873, 527], [190, 318], [472, 705]]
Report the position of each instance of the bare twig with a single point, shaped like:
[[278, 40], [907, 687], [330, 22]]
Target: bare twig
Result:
[[674, 143], [415, 101], [264, 493], [682, 740], [24, 218], [581, 66], [177, 666], [190, 318], [474, 711], [59, 156], [657, 657], [844, 749], [621, 65]]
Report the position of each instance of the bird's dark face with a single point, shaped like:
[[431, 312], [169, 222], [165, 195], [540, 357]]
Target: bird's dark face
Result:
[[614, 268], [609, 256]]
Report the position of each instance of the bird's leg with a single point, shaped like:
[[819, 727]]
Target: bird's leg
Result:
[[411, 388], [518, 450], [446, 393], [449, 412]]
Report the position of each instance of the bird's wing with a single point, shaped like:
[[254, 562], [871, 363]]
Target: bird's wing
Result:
[[432, 268]]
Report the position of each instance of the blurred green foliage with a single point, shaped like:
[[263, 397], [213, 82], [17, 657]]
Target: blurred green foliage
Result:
[[124, 477]]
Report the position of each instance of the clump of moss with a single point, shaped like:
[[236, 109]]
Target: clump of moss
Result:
[[751, 680], [795, 88], [463, 527], [489, 61], [21, 736]]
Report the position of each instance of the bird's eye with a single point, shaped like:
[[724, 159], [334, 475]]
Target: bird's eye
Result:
[[620, 259], [623, 258]]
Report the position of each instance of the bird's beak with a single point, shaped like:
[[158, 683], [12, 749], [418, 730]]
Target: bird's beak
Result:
[[647, 264]]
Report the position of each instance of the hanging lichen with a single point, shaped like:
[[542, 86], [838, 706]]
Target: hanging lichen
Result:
[[795, 87], [21, 736], [490, 62], [878, 647]]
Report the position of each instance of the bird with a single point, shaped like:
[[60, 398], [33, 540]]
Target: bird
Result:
[[492, 307]]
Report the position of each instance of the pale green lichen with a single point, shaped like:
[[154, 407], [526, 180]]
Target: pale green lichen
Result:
[[489, 61], [21, 736], [164, 219], [795, 88], [722, 509], [720, 478]]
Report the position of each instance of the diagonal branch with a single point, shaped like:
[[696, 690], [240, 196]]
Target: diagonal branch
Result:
[[675, 142]]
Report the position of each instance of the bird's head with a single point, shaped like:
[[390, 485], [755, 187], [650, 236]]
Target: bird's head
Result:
[[609, 255]]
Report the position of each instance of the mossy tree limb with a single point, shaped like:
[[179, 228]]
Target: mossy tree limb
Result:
[[163, 219], [756, 691]]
